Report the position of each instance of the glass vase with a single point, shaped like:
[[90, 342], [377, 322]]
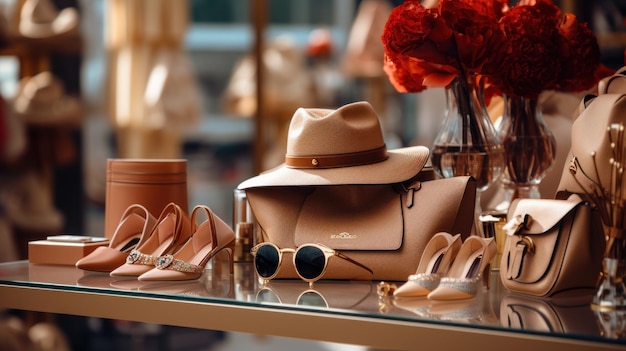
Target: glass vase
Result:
[[467, 142], [530, 148], [611, 293]]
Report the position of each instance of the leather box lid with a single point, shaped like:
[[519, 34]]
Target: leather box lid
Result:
[[146, 170]]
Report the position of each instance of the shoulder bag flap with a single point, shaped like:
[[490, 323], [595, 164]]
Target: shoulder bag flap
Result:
[[532, 245], [544, 214], [352, 217]]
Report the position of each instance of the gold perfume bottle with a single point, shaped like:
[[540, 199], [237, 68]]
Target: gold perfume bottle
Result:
[[243, 224]]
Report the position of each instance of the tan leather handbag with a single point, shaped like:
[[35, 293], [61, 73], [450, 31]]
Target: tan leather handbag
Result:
[[550, 247], [152, 183], [591, 144], [384, 227], [596, 156]]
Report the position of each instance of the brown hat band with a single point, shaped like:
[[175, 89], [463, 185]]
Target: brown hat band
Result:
[[338, 160]]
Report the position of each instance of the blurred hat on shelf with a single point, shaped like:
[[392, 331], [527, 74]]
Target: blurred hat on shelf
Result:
[[172, 98], [287, 83], [41, 19], [47, 336], [13, 138], [30, 206], [41, 100], [364, 50]]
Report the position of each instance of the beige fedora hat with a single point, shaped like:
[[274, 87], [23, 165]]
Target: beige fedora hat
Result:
[[343, 146]]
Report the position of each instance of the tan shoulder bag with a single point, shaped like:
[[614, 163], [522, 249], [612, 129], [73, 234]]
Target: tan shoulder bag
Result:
[[550, 247]]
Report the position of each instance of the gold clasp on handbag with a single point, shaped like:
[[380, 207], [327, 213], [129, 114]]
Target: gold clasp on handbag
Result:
[[528, 243]]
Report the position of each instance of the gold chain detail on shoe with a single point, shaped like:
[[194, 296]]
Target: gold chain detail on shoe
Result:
[[169, 262], [136, 257]]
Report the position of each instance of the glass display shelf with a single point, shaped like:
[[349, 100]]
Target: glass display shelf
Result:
[[336, 311]]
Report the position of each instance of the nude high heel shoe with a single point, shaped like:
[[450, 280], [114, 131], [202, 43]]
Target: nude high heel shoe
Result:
[[172, 230], [436, 259], [469, 270], [132, 231], [188, 263]]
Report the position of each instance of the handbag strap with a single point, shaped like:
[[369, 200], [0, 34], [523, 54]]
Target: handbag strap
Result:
[[522, 247], [514, 228]]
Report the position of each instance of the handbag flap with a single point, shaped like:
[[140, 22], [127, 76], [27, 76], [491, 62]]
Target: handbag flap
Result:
[[544, 214], [532, 244], [352, 217]]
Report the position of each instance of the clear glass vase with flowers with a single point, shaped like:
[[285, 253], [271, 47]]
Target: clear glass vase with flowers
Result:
[[454, 45], [545, 49]]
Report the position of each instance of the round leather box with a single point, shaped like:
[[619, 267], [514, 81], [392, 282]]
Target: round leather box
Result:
[[153, 183]]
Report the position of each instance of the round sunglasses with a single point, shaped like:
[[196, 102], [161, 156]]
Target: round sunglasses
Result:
[[310, 260]]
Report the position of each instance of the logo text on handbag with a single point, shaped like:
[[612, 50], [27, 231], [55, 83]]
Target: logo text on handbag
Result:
[[343, 235]]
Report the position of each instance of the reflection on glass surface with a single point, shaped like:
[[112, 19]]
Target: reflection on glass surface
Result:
[[324, 294], [477, 310], [565, 315], [494, 309], [612, 323]]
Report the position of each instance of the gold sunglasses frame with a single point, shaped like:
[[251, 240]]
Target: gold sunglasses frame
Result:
[[327, 251]]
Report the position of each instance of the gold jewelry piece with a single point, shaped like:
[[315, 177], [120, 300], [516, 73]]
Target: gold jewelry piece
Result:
[[385, 289], [136, 257], [169, 262]]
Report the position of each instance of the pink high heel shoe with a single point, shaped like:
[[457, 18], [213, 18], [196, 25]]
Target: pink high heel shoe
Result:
[[188, 263], [132, 231], [172, 230], [436, 259], [470, 268]]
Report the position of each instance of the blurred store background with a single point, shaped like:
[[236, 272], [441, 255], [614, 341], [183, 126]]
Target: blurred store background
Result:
[[177, 79]]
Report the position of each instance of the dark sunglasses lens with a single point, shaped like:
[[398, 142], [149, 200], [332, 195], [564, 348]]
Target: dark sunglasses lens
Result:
[[310, 262], [266, 261]]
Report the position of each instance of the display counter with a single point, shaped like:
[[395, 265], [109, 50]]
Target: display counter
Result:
[[336, 311]]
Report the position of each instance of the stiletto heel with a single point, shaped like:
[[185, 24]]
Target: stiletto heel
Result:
[[188, 263], [487, 277], [468, 271], [132, 230], [172, 230], [231, 258], [434, 263]]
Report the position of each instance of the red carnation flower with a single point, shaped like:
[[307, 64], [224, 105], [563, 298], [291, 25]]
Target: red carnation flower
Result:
[[532, 60]]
